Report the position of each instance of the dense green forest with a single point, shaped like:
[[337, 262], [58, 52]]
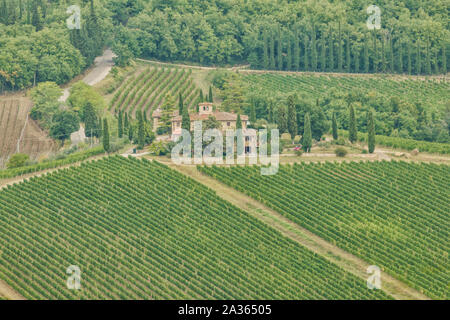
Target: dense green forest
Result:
[[36, 44], [313, 35]]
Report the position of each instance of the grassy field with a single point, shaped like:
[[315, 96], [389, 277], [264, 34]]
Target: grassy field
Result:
[[391, 214], [138, 229]]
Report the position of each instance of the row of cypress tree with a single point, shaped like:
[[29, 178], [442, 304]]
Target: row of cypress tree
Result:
[[377, 53]]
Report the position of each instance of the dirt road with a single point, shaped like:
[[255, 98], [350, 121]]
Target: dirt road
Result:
[[103, 65]]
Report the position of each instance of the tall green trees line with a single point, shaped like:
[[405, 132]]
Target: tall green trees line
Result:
[[328, 51]]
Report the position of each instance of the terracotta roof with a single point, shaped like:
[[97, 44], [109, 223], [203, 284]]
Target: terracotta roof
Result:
[[220, 116]]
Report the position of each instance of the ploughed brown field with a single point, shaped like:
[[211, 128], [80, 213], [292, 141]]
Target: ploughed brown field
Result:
[[19, 133]]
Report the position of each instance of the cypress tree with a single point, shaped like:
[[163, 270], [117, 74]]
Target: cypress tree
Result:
[[347, 52], [289, 54], [307, 135], [305, 54], [130, 131], [105, 135], [371, 132], [180, 104], [210, 94], [391, 56], [29, 12], [352, 131], [366, 55], [292, 116], [296, 52], [120, 125], [323, 53], [90, 121], [282, 120], [280, 51], [375, 52], [141, 131], [383, 55], [331, 51], [125, 123], [400, 56], [238, 122], [356, 58], [100, 127], [428, 60], [3, 12], [252, 114], [265, 51], [409, 58], [339, 48], [418, 62], [20, 10], [444, 60], [313, 50], [334, 126], [36, 18], [201, 95], [272, 52], [185, 120]]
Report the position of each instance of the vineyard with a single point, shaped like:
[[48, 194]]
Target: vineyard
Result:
[[435, 93], [139, 230], [18, 133], [147, 89], [391, 214]]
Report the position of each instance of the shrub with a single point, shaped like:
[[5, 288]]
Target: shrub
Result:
[[340, 152], [17, 160], [298, 151]]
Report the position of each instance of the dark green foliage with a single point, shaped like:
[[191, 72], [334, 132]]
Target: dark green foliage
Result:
[[371, 132], [185, 120], [307, 135], [64, 124], [141, 130], [331, 51], [279, 51], [348, 62], [282, 119], [272, 52], [120, 125], [238, 122], [340, 58], [292, 115], [313, 50], [305, 53], [265, 64], [91, 127], [296, 60], [105, 136], [334, 127], [180, 104], [210, 96], [353, 132]]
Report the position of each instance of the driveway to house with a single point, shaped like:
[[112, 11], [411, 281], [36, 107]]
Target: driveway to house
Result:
[[101, 69]]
